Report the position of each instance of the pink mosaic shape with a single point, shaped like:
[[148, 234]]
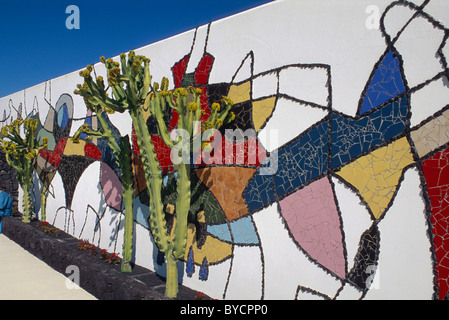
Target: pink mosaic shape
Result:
[[312, 217], [111, 186]]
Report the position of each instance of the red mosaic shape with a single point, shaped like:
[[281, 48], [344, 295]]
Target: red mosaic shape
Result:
[[135, 145], [179, 70], [203, 69], [204, 104], [163, 154], [54, 157], [92, 151], [436, 173], [174, 120], [249, 153]]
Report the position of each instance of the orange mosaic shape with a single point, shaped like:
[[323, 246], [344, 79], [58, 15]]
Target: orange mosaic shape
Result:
[[227, 185]]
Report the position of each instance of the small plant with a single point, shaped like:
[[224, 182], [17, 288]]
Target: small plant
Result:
[[111, 258], [103, 254], [84, 245], [48, 228], [200, 296]]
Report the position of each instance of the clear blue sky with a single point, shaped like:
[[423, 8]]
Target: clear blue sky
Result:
[[36, 46]]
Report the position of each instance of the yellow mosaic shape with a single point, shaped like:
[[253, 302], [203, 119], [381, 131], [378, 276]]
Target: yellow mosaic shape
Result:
[[376, 175], [240, 93], [72, 148], [215, 250], [262, 109]]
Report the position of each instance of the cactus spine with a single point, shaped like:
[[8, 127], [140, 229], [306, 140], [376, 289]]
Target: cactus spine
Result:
[[21, 154]]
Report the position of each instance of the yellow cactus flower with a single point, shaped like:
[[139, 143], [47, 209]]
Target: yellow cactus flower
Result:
[[193, 106], [227, 100], [215, 106]]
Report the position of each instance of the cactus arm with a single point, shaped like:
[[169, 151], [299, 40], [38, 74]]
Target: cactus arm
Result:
[[132, 93], [128, 199], [118, 92], [108, 135], [155, 103], [154, 181], [25, 172], [26, 202], [146, 79], [44, 202], [171, 286], [182, 209], [12, 162]]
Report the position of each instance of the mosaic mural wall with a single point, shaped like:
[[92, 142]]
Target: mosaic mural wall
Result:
[[352, 121]]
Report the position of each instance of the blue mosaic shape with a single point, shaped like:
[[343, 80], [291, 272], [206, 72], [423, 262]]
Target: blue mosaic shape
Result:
[[298, 162], [386, 83], [107, 155], [259, 191], [190, 265], [160, 258], [351, 138], [204, 270], [220, 231], [141, 213], [63, 116], [302, 159], [89, 122], [242, 231]]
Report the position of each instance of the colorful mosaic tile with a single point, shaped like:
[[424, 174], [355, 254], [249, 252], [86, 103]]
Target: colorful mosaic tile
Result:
[[436, 173], [386, 83], [366, 257], [376, 176], [352, 137], [312, 217], [227, 185]]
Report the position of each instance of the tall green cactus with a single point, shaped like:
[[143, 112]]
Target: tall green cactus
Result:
[[122, 154], [187, 104], [21, 154], [130, 86]]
